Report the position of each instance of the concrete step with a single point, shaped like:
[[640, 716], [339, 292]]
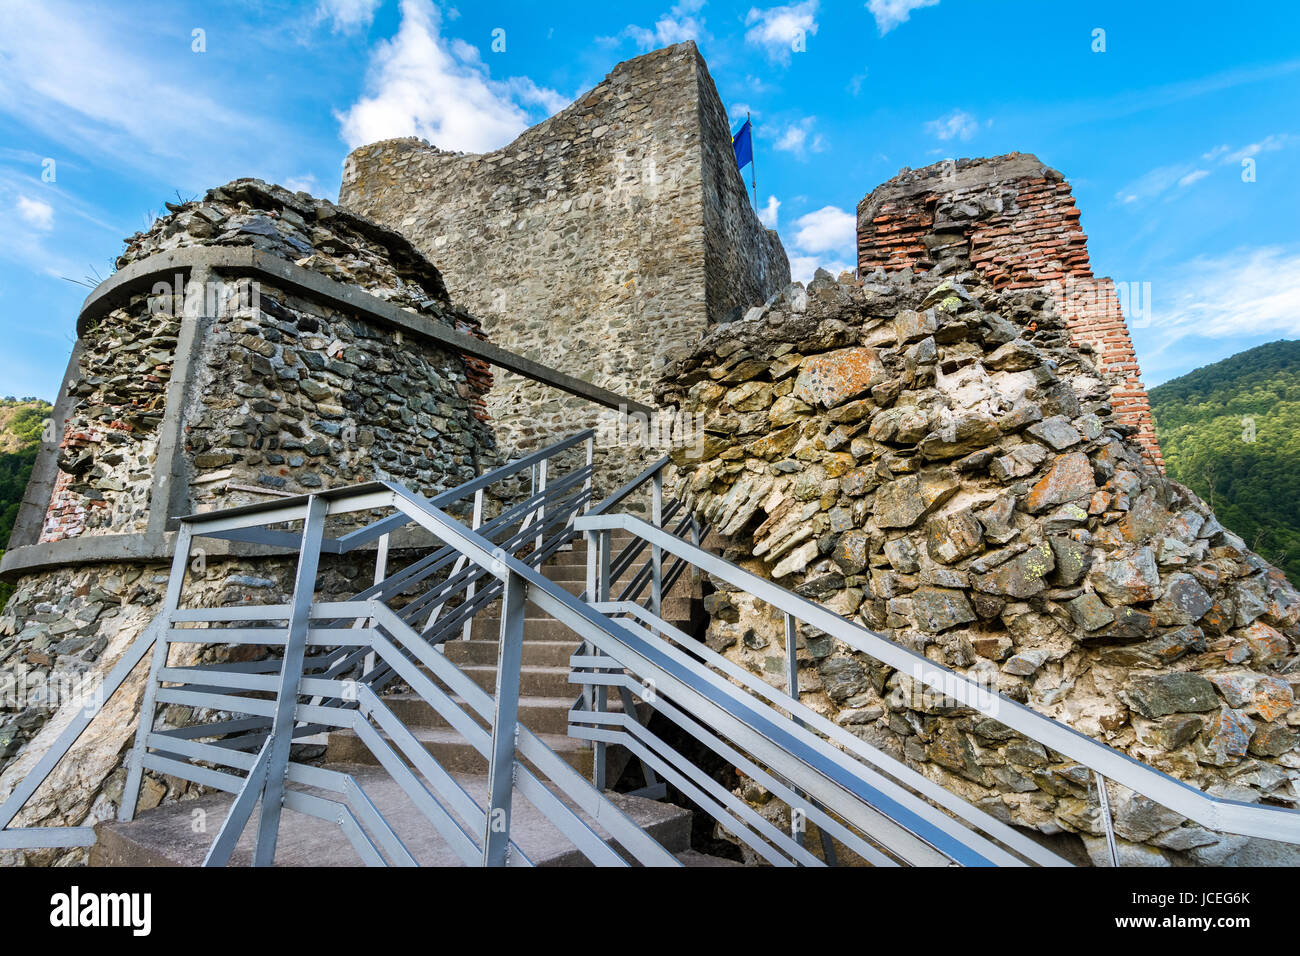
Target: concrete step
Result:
[[451, 750], [541, 715], [537, 651], [534, 680], [165, 836], [487, 625]]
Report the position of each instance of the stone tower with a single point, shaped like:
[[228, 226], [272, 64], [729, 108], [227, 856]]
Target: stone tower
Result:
[[252, 344], [1013, 220], [593, 242]]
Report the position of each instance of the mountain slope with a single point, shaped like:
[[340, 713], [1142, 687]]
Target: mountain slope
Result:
[[21, 423], [1231, 432]]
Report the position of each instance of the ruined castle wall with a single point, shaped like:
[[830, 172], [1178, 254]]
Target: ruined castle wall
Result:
[[592, 242], [933, 459], [1015, 221], [287, 395]]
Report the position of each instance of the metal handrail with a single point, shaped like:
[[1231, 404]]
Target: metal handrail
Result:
[[1215, 813]]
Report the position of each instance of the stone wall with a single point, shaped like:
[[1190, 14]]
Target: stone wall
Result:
[[592, 242], [288, 395], [1014, 221], [930, 456]]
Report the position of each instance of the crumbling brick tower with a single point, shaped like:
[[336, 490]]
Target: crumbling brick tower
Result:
[[593, 243], [1014, 220]]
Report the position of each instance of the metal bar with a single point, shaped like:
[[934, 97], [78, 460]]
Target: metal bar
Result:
[[1107, 822], [243, 612], [900, 822], [161, 649], [381, 572], [541, 508], [591, 467], [571, 783], [657, 552], [617, 496], [274, 636], [778, 788], [361, 805], [458, 838], [716, 801], [505, 722], [38, 838], [600, 701], [304, 588], [240, 810], [70, 734], [853, 744], [1215, 813], [476, 521]]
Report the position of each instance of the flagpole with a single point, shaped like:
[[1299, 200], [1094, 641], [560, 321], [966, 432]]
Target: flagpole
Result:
[[753, 163]]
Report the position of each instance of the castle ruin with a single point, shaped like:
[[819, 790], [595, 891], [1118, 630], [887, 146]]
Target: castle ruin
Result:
[[591, 243], [953, 448]]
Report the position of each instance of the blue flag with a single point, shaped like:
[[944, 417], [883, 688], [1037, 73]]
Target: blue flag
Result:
[[743, 144]]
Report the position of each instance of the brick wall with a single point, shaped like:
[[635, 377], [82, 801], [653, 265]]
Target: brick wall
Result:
[[1014, 220]]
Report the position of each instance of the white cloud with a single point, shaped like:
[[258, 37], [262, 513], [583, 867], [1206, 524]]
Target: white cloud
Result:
[[890, 13], [36, 213], [678, 25], [421, 84], [800, 137], [306, 183], [767, 215], [1246, 292], [958, 124], [1267, 145], [826, 239], [347, 16], [826, 229], [528, 92], [109, 83], [803, 268], [1160, 180], [782, 30]]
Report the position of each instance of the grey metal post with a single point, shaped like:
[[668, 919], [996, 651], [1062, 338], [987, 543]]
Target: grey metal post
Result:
[[587, 485], [144, 725], [541, 505], [656, 552], [792, 686], [286, 703], [505, 723], [1108, 824], [589, 692], [598, 768], [381, 572], [475, 522]]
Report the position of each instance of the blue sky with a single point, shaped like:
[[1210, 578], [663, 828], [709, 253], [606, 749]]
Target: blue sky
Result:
[[128, 106]]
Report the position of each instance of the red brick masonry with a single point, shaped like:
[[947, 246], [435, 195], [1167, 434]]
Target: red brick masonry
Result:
[[1014, 220]]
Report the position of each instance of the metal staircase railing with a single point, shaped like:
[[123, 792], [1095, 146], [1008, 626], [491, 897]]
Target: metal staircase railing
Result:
[[329, 663], [867, 800]]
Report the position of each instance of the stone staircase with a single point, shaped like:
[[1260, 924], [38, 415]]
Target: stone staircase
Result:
[[164, 836]]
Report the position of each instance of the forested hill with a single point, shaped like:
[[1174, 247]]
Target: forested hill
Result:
[[1231, 432], [22, 420]]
